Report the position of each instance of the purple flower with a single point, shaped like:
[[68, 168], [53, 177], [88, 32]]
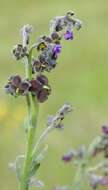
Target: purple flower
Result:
[[16, 86], [57, 49], [40, 87], [68, 35], [98, 180], [104, 181], [69, 156], [94, 181], [105, 129]]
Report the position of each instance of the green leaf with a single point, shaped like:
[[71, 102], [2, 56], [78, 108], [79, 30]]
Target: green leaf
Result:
[[41, 155]]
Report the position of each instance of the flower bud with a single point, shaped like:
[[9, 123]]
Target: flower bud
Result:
[[69, 156], [25, 32], [68, 35], [19, 51]]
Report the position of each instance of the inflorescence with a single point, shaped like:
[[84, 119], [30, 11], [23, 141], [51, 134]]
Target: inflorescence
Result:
[[48, 50], [36, 84], [96, 176]]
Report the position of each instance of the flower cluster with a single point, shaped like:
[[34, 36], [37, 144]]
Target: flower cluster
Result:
[[97, 180], [48, 47], [56, 121], [74, 154], [48, 53], [95, 175], [38, 86], [16, 86], [100, 145]]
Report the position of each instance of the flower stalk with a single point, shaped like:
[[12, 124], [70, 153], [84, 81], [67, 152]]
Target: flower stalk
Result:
[[77, 183], [33, 109]]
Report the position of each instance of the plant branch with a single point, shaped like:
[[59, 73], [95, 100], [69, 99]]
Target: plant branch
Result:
[[32, 119]]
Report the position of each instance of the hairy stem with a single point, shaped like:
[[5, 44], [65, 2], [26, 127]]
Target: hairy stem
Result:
[[32, 122], [79, 177], [41, 138], [24, 184]]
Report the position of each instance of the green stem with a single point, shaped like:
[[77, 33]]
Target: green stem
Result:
[[79, 177], [33, 109], [30, 140]]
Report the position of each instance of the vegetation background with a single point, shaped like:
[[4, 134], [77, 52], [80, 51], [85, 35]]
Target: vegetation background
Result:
[[80, 78]]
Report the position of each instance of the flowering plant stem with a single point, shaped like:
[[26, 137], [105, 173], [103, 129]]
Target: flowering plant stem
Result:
[[36, 88], [77, 183], [32, 122]]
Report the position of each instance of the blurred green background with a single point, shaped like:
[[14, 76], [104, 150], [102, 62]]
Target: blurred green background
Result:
[[80, 78]]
